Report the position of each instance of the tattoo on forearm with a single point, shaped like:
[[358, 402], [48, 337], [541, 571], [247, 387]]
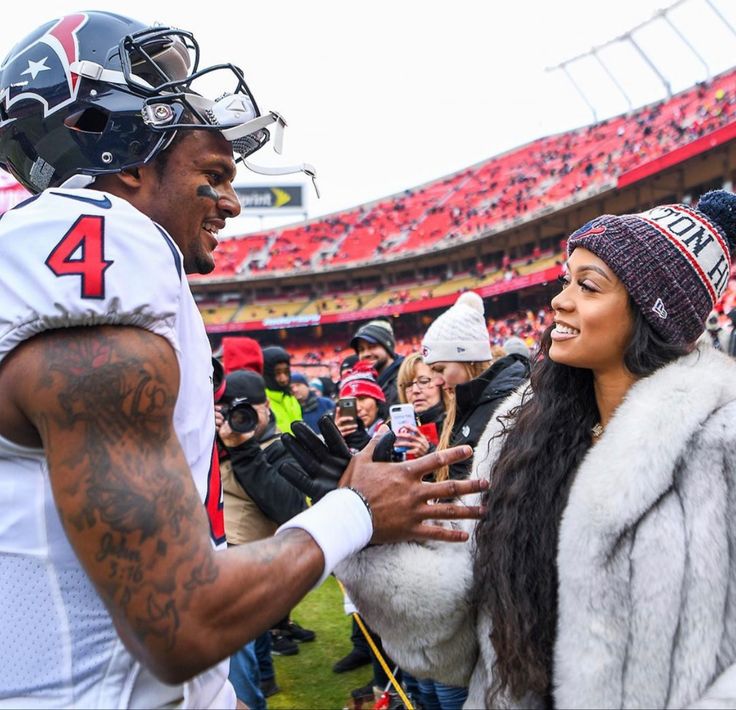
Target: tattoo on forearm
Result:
[[112, 402]]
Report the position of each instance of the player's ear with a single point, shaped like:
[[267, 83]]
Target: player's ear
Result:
[[119, 183], [130, 177]]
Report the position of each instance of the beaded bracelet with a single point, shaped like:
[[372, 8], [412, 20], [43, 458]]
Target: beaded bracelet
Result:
[[364, 499]]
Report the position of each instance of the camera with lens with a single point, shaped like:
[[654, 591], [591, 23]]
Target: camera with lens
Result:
[[241, 415]]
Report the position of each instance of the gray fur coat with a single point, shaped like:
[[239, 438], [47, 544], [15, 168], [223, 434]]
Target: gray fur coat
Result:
[[646, 561]]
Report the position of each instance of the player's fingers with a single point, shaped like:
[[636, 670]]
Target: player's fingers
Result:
[[435, 532], [385, 446], [451, 511], [452, 488], [418, 468]]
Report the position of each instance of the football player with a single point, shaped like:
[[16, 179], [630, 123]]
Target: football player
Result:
[[114, 587]]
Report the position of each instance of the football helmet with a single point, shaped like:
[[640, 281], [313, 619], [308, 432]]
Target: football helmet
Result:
[[95, 92]]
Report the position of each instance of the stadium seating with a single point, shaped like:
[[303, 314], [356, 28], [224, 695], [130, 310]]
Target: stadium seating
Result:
[[548, 172], [356, 302]]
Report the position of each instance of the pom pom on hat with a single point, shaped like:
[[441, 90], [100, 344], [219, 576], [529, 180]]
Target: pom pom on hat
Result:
[[460, 334], [720, 206], [472, 300]]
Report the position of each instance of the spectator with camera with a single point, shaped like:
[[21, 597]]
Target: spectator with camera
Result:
[[257, 499]]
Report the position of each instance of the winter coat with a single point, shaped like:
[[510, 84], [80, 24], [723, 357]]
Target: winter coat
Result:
[[387, 380], [256, 497], [285, 407], [314, 408], [478, 399], [646, 561]]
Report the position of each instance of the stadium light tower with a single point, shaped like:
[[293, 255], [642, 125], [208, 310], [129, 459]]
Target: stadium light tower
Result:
[[664, 14], [629, 38], [581, 93], [721, 17], [610, 75]]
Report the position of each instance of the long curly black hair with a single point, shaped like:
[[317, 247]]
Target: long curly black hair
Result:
[[515, 573]]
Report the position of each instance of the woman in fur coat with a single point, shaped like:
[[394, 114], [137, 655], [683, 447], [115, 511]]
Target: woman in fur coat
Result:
[[604, 573]]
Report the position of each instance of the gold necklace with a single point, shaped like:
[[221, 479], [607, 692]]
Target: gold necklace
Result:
[[597, 431]]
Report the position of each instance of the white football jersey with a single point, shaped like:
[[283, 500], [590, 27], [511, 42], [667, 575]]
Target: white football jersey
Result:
[[71, 258]]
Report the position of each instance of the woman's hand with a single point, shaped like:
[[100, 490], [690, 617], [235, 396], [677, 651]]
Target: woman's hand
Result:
[[413, 441], [346, 425]]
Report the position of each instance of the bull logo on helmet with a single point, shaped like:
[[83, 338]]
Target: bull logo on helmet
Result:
[[42, 71]]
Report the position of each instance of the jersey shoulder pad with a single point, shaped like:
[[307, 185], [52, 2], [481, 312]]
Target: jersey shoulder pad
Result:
[[84, 257]]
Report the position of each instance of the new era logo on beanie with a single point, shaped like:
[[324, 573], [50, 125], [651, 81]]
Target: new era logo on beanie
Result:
[[674, 260], [460, 334]]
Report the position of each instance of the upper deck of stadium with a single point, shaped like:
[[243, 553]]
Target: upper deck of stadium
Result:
[[494, 195]]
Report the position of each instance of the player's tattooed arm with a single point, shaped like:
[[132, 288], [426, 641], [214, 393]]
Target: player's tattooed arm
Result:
[[102, 400]]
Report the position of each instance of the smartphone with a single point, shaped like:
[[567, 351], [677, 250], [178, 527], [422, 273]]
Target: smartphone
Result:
[[402, 416], [347, 407]]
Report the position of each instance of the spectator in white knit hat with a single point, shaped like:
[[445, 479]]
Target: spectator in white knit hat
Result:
[[458, 350]]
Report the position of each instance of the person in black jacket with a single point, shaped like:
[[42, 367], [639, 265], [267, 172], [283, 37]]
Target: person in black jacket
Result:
[[375, 343], [457, 348]]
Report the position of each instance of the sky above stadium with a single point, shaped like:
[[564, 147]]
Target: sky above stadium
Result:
[[387, 95]]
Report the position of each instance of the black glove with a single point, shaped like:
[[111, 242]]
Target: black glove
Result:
[[320, 464]]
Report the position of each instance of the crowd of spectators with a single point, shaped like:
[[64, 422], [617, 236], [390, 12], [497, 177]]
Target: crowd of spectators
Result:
[[500, 191]]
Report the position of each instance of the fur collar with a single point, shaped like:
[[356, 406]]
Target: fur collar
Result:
[[634, 461]]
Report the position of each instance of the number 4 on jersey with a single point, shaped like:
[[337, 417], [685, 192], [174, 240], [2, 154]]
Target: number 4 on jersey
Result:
[[81, 252]]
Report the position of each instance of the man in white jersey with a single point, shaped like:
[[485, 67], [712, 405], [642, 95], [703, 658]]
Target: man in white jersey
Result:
[[113, 591]]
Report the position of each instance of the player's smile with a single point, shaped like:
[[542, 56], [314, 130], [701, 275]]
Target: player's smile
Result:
[[193, 196], [212, 227]]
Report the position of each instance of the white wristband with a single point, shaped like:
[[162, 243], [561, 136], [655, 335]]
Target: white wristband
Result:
[[340, 523]]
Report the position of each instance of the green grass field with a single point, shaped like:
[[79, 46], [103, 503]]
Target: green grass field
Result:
[[306, 679]]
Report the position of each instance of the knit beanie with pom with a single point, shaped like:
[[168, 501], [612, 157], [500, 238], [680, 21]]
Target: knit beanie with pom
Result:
[[460, 334], [361, 382], [673, 260]]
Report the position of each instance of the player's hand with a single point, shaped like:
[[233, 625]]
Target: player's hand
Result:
[[400, 501], [322, 462]]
